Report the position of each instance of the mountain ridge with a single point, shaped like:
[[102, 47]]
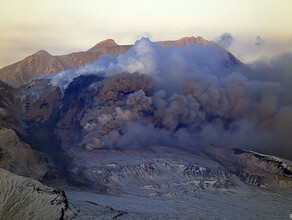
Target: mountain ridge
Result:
[[42, 62], [105, 43]]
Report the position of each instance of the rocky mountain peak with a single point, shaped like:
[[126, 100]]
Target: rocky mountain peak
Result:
[[103, 44], [42, 53], [186, 40], [191, 40]]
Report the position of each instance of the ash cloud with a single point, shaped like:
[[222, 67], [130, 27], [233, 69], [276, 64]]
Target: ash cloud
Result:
[[187, 97]]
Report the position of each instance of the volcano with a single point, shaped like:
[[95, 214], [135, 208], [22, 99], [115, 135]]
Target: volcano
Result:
[[155, 130]]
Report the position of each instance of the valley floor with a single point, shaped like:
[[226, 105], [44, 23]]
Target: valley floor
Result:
[[174, 184]]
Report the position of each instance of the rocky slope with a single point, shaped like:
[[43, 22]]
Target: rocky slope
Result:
[[21, 197], [18, 157], [43, 62], [25, 198], [5, 95], [15, 154]]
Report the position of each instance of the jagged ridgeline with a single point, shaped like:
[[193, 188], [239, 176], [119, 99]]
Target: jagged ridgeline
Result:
[[43, 62]]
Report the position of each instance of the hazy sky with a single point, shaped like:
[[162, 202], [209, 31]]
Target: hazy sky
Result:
[[63, 26]]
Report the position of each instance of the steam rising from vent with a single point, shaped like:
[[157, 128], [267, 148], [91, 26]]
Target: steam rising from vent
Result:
[[225, 40], [259, 42], [194, 96]]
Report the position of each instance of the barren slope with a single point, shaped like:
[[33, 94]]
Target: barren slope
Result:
[[25, 198]]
